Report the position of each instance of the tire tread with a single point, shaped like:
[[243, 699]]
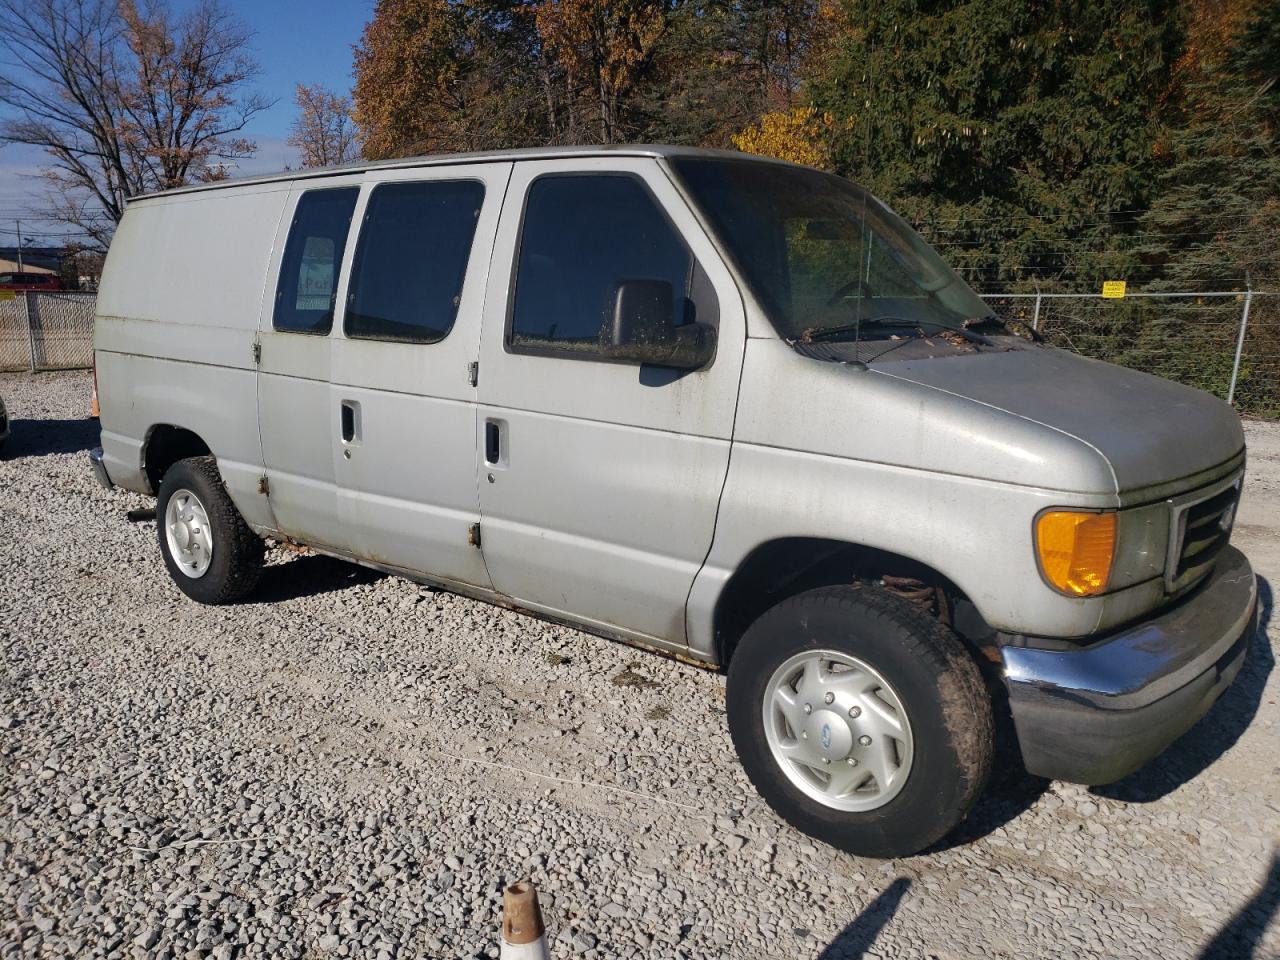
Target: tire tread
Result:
[[964, 705], [243, 547]]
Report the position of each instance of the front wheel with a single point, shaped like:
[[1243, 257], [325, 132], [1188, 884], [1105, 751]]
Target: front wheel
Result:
[[209, 550], [860, 719]]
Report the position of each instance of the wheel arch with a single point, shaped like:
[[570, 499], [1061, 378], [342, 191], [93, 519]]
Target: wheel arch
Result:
[[782, 567], [165, 444]]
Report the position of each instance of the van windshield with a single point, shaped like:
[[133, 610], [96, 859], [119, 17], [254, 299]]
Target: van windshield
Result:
[[825, 258]]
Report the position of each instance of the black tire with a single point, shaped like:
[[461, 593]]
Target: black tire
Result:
[[235, 560], [935, 679]]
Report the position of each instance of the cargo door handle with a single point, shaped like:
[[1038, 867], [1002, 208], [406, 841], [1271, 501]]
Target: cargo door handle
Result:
[[350, 421], [492, 443]]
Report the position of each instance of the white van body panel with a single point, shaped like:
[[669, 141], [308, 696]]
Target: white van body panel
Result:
[[407, 480], [178, 310], [293, 412], [878, 465], [603, 506]]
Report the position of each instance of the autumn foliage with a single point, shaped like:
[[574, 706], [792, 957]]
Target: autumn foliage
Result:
[[800, 135], [601, 47], [323, 132], [477, 74]]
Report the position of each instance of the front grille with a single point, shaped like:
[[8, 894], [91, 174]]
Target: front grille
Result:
[[1204, 528]]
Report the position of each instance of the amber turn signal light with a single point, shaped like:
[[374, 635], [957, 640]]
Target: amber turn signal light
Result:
[[1076, 549]]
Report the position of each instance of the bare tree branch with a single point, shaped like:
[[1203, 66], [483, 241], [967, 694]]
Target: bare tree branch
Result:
[[124, 97], [323, 132]]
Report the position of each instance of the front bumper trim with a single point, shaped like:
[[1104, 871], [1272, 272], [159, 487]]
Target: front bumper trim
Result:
[[1094, 714]]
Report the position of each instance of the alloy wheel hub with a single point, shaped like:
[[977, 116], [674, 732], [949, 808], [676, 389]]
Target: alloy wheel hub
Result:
[[838, 730], [187, 533]]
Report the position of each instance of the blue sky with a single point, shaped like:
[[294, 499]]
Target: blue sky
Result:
[[296, 41]]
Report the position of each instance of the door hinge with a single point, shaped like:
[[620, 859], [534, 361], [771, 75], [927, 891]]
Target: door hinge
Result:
[[264, 486], [473, 535], [257, 352], [473, 373]]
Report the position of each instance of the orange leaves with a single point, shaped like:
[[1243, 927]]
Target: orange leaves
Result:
[[411, 68], [324, 131], [601, 45]]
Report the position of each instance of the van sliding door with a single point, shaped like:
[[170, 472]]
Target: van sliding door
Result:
[[294, 413], [402, 398]]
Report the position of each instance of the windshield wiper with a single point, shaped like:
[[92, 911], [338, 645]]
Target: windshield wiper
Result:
[[826, 333], [993, 324]]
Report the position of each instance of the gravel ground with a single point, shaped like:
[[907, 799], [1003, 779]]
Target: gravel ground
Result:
[[353, 766]]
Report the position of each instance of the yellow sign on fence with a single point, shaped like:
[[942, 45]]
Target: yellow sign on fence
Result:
[[6, 294], [1113, 289]]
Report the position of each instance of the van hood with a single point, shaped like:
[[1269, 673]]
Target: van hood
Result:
[[1150, 430]]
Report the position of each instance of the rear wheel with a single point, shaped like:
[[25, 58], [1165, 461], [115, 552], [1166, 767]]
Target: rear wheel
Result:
[[860, 719], [208, 549]]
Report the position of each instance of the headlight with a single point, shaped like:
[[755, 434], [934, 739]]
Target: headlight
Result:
[[1084, 553], [1075, 550]]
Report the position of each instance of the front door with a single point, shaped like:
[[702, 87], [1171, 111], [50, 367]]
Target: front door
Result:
[[402, 405], [600, 480]]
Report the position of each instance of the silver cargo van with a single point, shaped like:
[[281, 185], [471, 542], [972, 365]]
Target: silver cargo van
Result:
[[728, 409]]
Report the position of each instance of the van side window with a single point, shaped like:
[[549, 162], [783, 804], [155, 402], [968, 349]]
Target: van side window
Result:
[[312, 258], [582, 236], [411, 260]]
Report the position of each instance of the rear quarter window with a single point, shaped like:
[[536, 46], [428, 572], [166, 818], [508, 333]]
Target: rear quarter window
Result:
[[312, 259]]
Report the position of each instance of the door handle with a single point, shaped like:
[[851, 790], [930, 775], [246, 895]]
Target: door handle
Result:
[[492, 443], [350, 421]]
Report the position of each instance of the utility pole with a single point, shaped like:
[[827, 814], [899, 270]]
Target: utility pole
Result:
[[19, 223]]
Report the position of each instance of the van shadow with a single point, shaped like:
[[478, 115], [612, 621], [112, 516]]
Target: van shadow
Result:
[[308, 576], [43, 438], [1009, 794], [1215, 733], [855, 939], [1241, 936]]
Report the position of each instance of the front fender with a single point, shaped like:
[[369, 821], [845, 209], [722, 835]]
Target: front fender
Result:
[[977, 533]]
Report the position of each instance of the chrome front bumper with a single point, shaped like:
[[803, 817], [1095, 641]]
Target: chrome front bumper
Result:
[[1095, 713], [99, 468]]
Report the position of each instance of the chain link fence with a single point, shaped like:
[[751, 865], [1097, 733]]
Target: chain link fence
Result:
[[46, 331], [1226, 342]]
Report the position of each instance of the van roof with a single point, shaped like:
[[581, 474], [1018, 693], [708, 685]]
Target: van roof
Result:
[[485, 156]]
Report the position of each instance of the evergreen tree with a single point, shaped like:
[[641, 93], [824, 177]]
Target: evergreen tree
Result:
[[1215, 220], [721, 65], [1019, 132], [1216, 213]]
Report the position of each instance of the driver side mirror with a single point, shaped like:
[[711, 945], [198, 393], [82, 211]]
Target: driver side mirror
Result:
[[642, 329]]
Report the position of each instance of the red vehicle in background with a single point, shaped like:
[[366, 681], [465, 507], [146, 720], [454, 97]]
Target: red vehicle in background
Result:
[[30, 282]]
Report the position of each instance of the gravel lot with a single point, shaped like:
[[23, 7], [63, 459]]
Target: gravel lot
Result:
[[353, 766]]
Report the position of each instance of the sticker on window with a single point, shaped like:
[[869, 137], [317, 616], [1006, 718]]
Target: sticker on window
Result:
[[316, 275]]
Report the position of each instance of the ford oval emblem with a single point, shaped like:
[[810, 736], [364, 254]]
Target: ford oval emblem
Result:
[[826, 736]]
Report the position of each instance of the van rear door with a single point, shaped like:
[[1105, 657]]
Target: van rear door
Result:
[[402, 400]]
